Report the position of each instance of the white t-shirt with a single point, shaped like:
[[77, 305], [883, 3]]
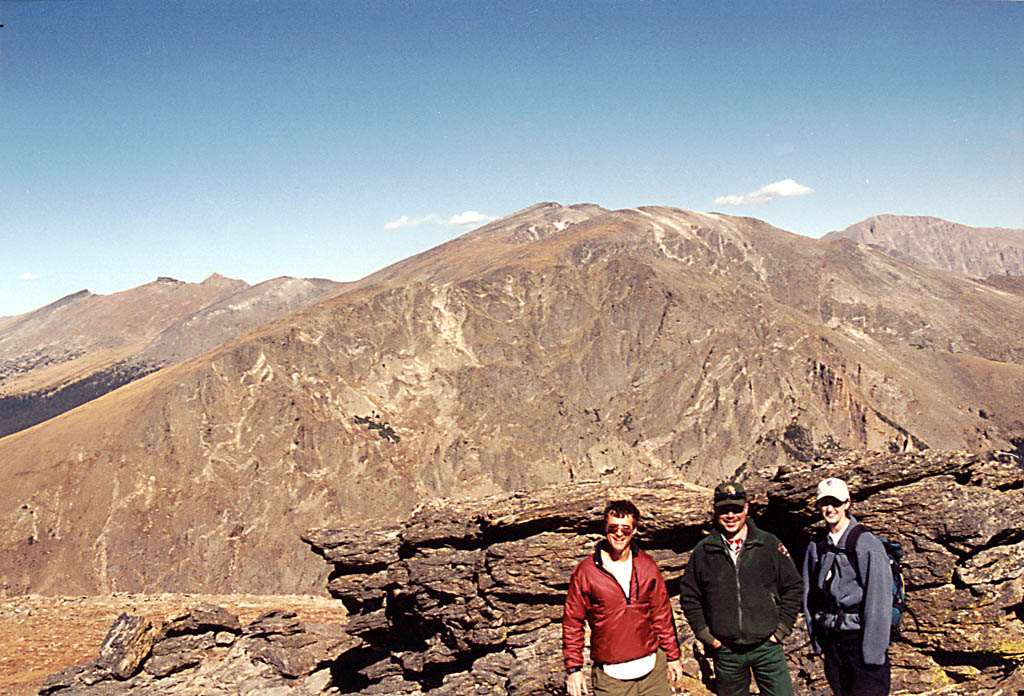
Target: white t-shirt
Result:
[[634, 669], [836, 536], [621, 571]]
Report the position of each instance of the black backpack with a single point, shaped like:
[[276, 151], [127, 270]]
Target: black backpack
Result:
[[893, 551]]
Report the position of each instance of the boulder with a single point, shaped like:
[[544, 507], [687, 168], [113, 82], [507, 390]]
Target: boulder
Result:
[[206, 650], [127, 644]]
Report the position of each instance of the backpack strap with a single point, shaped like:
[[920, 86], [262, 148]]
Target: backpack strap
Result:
[[820, 541], [816, 597], [851, 549]]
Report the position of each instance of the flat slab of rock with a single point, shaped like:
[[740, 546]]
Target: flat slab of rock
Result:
[[127, 645]]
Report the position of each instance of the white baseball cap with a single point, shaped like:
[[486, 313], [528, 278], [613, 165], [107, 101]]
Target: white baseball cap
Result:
[[833, 488]]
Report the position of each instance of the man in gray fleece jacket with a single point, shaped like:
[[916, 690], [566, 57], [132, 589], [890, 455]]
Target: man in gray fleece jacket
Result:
[[849, 619]]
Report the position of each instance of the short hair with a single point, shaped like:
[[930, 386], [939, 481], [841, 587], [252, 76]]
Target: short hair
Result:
[[622, 508]]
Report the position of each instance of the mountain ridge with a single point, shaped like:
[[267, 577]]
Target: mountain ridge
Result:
[[84, 345], [938, 243], [629, 345]]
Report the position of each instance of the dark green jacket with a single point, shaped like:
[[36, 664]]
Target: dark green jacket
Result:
[[741, 604]]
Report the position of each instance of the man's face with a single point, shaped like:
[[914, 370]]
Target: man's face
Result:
[[731, 517], [619, 531], [832, 510]]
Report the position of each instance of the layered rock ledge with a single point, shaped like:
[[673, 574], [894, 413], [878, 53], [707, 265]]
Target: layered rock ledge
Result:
[[206, 650], [466, 597]]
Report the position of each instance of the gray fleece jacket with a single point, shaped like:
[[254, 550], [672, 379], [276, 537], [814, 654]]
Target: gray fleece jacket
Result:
[[832, 599]]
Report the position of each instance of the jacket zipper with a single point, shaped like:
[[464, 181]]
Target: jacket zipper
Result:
[[739, 595], [632, 577]]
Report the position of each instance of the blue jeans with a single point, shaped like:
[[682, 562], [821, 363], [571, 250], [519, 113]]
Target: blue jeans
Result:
[[766, 661]]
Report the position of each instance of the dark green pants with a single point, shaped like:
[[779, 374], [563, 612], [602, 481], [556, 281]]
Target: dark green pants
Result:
[[654, 684], [766, 661]]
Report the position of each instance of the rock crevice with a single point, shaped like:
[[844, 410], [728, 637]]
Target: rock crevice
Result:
[[465, 597]]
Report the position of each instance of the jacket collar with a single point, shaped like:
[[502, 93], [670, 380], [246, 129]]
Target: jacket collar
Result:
[[633, 550], [634, 584], [842, 537], [754, 538]]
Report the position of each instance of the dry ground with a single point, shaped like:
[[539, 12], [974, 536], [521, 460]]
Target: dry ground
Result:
[[42, 635]]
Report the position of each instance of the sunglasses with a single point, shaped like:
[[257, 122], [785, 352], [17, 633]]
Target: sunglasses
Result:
[[623, 529]]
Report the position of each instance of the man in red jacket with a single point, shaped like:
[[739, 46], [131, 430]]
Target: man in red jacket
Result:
[[619, 591]]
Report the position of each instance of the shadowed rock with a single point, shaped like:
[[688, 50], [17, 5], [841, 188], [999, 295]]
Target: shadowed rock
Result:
[[127, 644], [465, 597], [473, 605], [274, 655]]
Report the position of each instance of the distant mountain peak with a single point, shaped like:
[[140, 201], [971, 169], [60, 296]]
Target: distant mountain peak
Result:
[[81, 346], [68, 299], [936, 243], [537, 222], [218, 279]]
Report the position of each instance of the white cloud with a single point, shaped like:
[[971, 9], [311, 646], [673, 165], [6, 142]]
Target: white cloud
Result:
[[465, 219], [29, 276], [470, 217], [786, 187], [406, 221]]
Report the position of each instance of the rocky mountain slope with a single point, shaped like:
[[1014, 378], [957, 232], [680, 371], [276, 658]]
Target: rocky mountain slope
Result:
[[937, 243], [84, 345], [557, 346], [465, 597]]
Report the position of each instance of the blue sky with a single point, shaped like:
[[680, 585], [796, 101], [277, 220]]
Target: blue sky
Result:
[[255, 139]]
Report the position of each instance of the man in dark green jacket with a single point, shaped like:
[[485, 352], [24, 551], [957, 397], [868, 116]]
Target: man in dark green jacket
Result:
[[741, 594]]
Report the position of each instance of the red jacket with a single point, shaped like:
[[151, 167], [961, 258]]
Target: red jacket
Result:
[[622, 628]]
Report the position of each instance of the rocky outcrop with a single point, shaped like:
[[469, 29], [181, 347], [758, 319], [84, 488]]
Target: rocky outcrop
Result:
[[206, 650], [465, 597]]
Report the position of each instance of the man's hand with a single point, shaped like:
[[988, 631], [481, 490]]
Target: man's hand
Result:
[[575, 684], [675, 673], [716, 644]]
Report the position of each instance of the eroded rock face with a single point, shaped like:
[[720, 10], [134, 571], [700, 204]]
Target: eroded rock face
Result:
[[473, 602], [206, 650], [466, 597]]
